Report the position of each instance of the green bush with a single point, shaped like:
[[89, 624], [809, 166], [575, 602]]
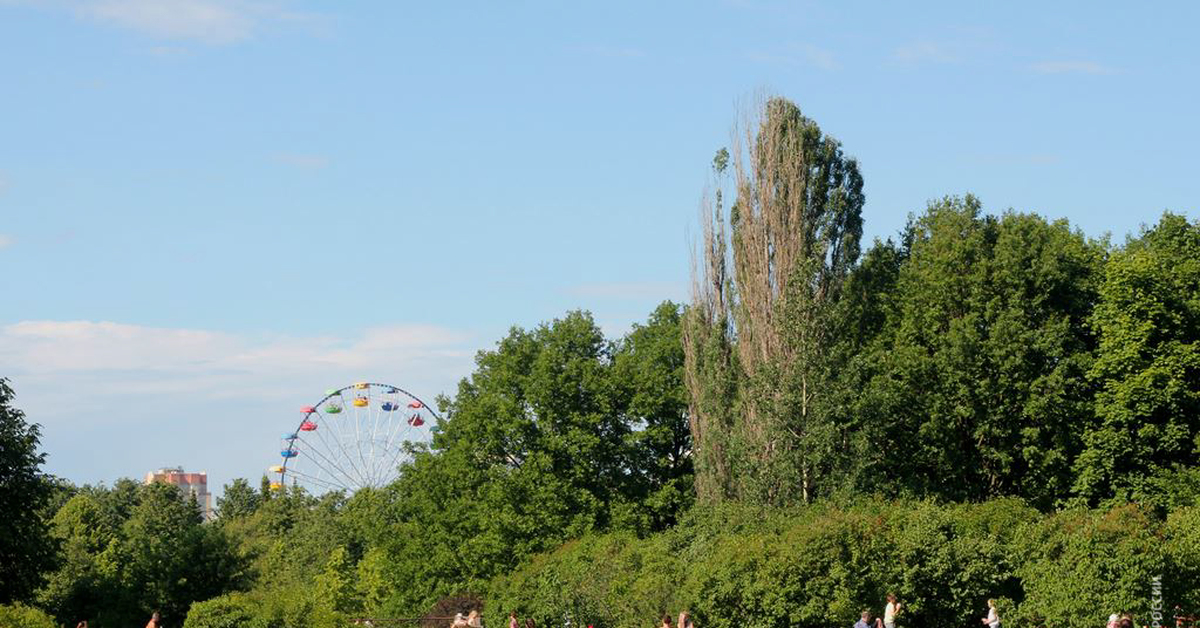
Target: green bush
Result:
[[228, 611], [280, 607], [821, 565], [21, 616]]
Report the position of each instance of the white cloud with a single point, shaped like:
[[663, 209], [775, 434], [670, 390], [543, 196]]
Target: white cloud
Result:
[[925, 52], [799, 55], [6, 241], [207, 21], [116, 400], [115, 360], [1071, 67]]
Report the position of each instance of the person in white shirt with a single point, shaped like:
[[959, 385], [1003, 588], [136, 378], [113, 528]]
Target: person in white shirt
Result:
[[890, 611], [993, 618]]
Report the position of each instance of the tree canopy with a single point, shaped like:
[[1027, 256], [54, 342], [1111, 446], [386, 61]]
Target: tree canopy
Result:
[[25, 548]]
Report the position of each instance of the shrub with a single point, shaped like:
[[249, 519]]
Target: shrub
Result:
[[821, 565], [20, 616]]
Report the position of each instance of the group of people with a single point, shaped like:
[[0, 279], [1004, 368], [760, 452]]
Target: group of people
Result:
[[471, 620], [1125, 620], [474, 620], [889, 615], [893, 608], [685, 621], [155, 622], [888, 620]]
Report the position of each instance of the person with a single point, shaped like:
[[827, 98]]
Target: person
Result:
[[82, 624], [1113, 620], [685, 620], [666, 622], [993, 618], [864, 620], [890, 611], [529, 623], [155, 621], [512, 620], [459, 621], [1126, 622], [473, 620]]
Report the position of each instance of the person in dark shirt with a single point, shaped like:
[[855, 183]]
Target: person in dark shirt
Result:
[[864, 621]]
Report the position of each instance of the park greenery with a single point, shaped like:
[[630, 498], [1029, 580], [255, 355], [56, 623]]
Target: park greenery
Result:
[[988, 405]]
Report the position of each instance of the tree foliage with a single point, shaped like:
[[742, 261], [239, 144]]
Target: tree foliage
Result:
[[972, 380], [131, 550], [759, 333], [821, 565], [987, 406], [25, 547], [1147, 366]]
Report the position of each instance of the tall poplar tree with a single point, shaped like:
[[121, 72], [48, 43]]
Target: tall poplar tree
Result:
[[758, 336]]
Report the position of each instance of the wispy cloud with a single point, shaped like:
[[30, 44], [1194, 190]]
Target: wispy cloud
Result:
[[5, 241], [214, 22], [149, 396], [925, 51], [208, 21], [1072, 67], [169, 51], [300, 160], [798, 55], [83, 361]]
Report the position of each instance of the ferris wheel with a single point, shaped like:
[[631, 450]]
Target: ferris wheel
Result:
[[355, 437]]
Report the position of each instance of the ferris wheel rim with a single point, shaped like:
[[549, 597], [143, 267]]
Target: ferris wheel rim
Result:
[[376, 481]]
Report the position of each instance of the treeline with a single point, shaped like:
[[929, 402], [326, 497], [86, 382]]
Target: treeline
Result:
[[737, 566], [558, 433], [984, 406], [976, 356]]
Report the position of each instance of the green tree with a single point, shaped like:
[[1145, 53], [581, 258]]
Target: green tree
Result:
[[372, 584], [86, 535], [532, 452], [238, 500], [232, 611], [765, 294], [557, 432], [133, 549], [21, 616], [26, 551], [648, 371], [335, 584], [1147, 368], [976, 379]]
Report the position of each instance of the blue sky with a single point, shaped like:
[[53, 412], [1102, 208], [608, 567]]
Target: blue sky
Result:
[[213, 210]]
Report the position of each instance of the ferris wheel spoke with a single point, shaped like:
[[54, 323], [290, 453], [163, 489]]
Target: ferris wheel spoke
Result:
[[330, 448], [358, 437], [319, 454], [402, 426], [375, 428], [317, 480], [399, 450], [341, 439], [333, 454]]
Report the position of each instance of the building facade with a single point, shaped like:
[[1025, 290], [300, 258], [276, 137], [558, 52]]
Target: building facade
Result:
[[189, 484]]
